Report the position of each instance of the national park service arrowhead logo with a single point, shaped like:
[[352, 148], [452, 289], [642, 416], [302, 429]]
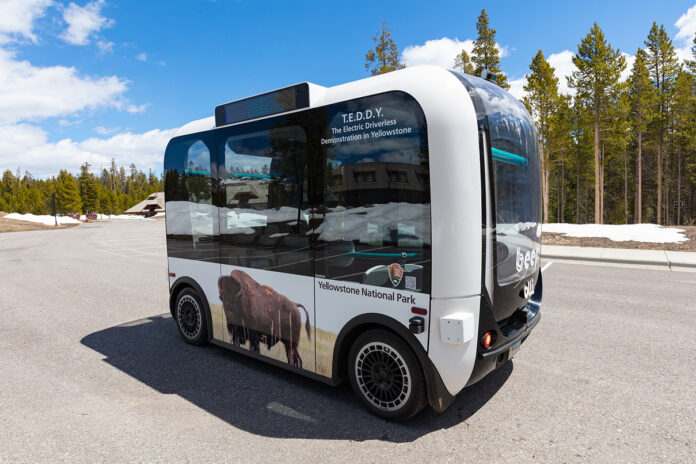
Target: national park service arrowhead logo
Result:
[[396, 273]]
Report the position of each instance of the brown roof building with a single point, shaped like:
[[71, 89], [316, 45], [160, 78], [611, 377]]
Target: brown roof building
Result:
[[150, 206]]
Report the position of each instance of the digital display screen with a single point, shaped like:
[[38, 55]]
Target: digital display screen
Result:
[[278, 101]]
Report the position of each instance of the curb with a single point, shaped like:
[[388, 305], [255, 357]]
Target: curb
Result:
[[677, 261]]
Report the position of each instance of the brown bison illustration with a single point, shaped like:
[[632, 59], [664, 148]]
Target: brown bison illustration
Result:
[[258, 314]]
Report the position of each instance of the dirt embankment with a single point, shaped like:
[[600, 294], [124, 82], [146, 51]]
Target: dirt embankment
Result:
[[12, 225], [562, 240]]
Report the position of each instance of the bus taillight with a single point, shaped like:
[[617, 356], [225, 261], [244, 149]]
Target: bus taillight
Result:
[[487, 340]]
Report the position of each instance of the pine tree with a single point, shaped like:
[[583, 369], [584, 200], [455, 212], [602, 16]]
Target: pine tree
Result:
[[485, 53], [542, 100], [113, 175], [67, 193], [560, 149], [89, 193], [384, 57], [462, 62], [8, 188], [641, 95], [691, 64], [684, 127], [596, 81], [663, 66]]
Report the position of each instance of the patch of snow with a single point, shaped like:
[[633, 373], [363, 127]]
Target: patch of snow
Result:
[[649, 233], [42, 219], [106, 217]]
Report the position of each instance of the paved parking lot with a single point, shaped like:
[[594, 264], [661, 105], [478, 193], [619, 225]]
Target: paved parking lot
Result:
[[92, 369]]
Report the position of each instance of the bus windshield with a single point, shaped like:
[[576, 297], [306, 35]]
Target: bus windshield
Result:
[[516, 178]]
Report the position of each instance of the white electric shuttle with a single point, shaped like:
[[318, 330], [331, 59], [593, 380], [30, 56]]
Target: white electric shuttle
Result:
[[386, 232]]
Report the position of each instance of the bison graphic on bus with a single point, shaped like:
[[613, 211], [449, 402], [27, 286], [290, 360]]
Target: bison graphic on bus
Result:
[[258, 314]]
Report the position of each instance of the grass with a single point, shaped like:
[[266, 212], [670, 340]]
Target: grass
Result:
[[13, 225], [322, 364]]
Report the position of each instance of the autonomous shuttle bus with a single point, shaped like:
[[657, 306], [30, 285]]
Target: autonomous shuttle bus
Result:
[[386, 232]]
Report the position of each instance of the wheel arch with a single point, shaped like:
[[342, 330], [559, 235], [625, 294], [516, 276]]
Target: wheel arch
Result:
[[438, 396]]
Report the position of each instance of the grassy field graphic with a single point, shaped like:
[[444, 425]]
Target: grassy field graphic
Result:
[[324, 340]]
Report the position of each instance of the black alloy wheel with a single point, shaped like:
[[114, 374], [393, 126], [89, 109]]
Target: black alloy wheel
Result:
[[386, 375], [191, 317]]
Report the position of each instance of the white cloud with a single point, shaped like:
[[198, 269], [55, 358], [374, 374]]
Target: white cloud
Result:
[[441, 52], [687, 25], [438, 52], [687, 28], [517, 87], [563, 64], [45, 159], [101, 130], [17, 18], [30, 92], [105, 47], [141, 57], [68, 123], [84, 21], [626, 73], [133, 109]]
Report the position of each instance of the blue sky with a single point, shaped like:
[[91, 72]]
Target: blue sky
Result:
[[88, 81]]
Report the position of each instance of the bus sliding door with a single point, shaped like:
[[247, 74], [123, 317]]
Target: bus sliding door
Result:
[[373, 253], [267, 277]]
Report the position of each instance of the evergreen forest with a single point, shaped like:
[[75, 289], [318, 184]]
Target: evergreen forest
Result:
[[112, 191], [617, 151]]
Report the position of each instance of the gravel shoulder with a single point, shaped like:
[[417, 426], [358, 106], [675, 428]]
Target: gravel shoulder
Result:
[[597, 242]]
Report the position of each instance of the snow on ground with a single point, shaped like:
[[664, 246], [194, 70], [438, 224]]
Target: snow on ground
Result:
[[105, 217], [49, 220], [43, 219], [650, 233]]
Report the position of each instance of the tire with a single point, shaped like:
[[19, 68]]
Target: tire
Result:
[[191, 317], [386, 375]]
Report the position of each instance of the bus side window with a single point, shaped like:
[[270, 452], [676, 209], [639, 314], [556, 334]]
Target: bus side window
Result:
[[198, 188], [263, 182], [191, 224], [376, 213]]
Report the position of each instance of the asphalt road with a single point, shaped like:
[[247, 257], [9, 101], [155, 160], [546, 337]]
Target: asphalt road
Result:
[[92, 369]]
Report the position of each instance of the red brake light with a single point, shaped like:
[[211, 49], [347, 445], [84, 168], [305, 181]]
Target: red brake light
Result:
[[420, 311], [487, 340]]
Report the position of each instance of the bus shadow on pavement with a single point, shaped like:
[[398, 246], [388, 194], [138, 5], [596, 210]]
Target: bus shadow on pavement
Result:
[[263, 399]]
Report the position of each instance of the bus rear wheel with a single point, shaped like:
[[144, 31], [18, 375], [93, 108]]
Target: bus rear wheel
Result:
[[386, 375], [190, 317]]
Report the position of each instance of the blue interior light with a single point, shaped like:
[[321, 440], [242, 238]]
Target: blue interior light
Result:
[[507, 157]]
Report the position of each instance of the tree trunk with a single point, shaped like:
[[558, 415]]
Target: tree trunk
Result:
[[562, 218], [638, 219], [665, 202], [545, 186], [577, 190], [597, 196], [679, 186], [601, 185], [659, 175], [625, 187], [558, 198]]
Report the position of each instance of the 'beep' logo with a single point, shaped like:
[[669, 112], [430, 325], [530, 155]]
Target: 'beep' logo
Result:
[[525, 260]]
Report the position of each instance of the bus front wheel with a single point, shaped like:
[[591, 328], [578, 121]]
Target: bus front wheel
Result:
[[190, 317], [386, 375]]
